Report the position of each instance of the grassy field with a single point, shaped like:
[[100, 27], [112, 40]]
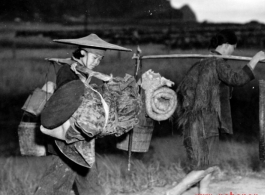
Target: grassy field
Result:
[[23, 70], [154, 169]]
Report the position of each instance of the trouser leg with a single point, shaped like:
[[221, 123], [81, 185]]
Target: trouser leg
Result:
[[201, 153], [57, 180], [196, 146], [201, 150], [87, 182], [213, 145]]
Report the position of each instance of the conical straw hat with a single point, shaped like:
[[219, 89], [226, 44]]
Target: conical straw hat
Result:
[[92, 41]]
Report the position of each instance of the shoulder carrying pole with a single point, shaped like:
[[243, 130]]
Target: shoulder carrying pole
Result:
[[137, 75], [170, 56]]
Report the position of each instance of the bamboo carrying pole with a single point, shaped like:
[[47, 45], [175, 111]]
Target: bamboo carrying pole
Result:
[[137, 74], [230, 57]]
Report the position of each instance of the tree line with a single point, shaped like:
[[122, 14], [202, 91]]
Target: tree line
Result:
[[53, 11]]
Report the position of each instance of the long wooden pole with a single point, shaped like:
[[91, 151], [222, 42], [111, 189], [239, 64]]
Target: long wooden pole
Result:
[[230, 57], [137, 74]]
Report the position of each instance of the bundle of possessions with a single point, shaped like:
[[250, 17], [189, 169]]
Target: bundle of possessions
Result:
[[111, 108]]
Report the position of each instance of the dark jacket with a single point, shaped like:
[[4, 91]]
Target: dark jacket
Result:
[[204, 94], [64, 75]]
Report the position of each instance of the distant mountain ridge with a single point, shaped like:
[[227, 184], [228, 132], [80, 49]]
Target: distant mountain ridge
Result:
[[151, 9], [54, 11], [136, 9]]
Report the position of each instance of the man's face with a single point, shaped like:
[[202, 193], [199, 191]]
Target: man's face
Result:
[[90, 60], [230, 49]]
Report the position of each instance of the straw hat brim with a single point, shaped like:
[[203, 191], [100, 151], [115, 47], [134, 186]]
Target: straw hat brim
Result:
[[62, 104], [92, 41]]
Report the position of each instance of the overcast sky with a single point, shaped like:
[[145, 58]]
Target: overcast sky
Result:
[[240, 11]]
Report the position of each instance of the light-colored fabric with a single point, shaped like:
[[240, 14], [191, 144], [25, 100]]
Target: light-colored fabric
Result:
[[58, 132], [49, 87], [161, 101]]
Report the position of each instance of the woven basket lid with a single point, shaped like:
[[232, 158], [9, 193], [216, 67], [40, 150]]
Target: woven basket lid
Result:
[[92, 41], [62, 104]]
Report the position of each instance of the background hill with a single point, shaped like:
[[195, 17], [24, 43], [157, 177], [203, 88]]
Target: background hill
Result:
[[57, 11], [121, 22]]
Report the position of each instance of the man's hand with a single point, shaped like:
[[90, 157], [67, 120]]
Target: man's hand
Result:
[[260, 56]]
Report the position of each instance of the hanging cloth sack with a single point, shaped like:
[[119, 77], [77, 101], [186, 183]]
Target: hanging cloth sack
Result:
[[37, 100]]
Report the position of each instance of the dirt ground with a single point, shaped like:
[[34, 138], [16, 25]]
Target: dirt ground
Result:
[[240, 186], [234, 186]]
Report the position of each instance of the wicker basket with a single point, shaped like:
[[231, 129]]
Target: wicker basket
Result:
[[31, 140], [262, 120], [141, 139]]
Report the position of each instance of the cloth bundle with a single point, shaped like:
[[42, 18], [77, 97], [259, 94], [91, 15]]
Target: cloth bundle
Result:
[[112, 108], [118, 116]]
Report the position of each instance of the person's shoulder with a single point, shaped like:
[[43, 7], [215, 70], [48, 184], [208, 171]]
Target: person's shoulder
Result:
[[65, 71], [65, 68], [65, 75], [205, 61], [213, 60], [220, 63]]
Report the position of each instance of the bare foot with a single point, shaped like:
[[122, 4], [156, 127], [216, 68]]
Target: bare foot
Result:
[[193, 178], [204, 184]]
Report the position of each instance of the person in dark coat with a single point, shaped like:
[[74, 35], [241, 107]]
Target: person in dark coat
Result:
[[204, 108], [73, 155]]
